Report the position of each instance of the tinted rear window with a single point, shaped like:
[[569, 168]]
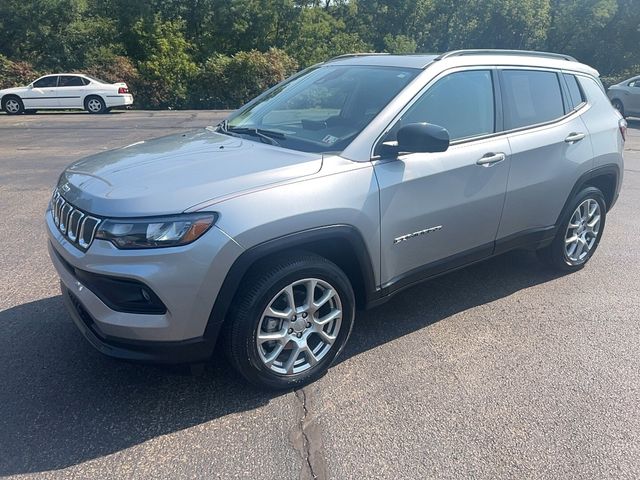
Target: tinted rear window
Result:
[[575, 93], [70, 81], [531, 97]]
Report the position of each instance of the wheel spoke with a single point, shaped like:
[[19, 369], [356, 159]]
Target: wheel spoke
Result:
[[272, 336], [311, 358], [311, 288], [285, 314], [326, 338], [274, 354], [293, 356], [326, 296], [335, 313], [570, 240]]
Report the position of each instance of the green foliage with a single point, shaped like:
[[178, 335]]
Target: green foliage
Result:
[[229, 81], [15, 73], [203, 53], [167, 65]]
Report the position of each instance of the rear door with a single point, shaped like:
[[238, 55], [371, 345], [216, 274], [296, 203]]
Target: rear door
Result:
[[42, 93], [441, 210], [70, 91], [550, 148]]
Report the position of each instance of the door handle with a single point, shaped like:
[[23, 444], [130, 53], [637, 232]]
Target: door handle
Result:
[[491, 159], [574, 137]]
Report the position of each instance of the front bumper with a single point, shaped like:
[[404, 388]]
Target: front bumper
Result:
[[187, 351], [186, 279]]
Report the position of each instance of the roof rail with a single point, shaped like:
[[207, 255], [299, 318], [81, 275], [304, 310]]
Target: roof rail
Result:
[[528, 53], [349, 55]]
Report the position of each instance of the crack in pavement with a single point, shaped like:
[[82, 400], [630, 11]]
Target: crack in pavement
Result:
[[307, 440]]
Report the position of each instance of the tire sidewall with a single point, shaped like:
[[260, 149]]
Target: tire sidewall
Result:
[[257, 372], [558, 245]]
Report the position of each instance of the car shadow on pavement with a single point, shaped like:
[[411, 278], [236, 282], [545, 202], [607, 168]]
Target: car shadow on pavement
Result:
[[62, 403]]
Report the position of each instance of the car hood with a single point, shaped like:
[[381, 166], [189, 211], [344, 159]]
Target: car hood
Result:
[[11, 90], [170, 174]]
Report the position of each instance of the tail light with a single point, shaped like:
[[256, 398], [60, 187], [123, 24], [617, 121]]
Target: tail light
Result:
[[123, 90], [622, 125]]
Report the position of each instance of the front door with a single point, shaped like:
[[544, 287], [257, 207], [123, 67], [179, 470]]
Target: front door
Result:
[[42, 93], [441, 210]]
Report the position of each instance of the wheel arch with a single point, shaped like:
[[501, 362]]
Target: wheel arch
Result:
[[341, 244], [606, 178], [89, 95]]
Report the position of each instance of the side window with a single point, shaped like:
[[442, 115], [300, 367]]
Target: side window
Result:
[[46, 82], [462, 102], [575, 93], [70, 81], [530, 97], [85, 81]]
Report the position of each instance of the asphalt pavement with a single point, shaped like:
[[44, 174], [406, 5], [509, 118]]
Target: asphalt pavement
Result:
[[501, 370]]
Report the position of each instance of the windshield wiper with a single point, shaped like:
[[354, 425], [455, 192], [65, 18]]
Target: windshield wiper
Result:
[[268, 136]]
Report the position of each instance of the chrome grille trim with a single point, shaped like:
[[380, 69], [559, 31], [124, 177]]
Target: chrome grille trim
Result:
[[77, 226]]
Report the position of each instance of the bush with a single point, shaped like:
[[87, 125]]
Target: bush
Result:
[[14, 74], [113, 68], [230, 81]]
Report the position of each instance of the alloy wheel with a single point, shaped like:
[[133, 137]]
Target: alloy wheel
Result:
[[94, 105], [299, 326], [12, 106], [582, 231]]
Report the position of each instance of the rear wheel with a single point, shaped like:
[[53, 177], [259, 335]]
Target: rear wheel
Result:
[[293, 316], [95, 105], [12, 105], [617, 104], [579, 232]]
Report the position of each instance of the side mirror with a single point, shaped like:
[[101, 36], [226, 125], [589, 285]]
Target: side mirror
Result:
[[419, 138]]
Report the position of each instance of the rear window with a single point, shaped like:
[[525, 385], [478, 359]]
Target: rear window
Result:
[[576, 96], [531, 97], [70, 81]]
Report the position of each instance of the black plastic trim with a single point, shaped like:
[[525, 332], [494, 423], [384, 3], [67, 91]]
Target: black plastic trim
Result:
[[292, 241], [186, 351], [98, 283], [609, 169]]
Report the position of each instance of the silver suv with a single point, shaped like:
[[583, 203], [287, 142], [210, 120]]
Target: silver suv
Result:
[[330, 192]]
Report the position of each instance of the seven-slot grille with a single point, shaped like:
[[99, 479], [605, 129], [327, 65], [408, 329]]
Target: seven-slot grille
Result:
[[77, 226]]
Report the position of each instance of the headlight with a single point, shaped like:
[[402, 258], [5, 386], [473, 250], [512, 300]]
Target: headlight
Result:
[[154, 232]]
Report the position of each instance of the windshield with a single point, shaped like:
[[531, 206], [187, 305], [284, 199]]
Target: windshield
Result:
[[322, 110]]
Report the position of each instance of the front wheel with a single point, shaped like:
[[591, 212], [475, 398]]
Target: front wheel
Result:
[[579, 232], [292, 317], [12, 105]]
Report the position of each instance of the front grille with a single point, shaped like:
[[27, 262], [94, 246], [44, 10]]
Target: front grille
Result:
[[77, 226]]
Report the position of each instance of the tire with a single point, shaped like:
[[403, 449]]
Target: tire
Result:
[[94, 104], [617, 104], [295, 333], [578, 222], [12, 105]]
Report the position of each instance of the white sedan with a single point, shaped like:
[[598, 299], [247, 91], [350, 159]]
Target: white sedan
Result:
[[65, 91]]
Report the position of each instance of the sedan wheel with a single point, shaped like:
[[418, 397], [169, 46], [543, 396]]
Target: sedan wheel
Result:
[[13, 106], [95, 105]]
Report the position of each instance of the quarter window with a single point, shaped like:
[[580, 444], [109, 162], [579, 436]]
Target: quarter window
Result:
[[46, 82], [530, 97], [461, 102], [575, 93]]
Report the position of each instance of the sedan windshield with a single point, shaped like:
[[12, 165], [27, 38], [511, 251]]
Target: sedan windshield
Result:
[[322, 110]]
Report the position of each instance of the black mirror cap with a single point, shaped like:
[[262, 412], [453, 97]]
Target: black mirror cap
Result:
[[423, 137]]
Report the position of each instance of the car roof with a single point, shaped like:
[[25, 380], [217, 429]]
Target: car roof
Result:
[[468, 58]]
